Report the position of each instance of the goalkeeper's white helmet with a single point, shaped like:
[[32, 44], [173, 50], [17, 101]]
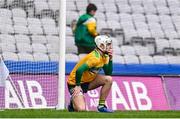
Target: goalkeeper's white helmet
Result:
[[102, 39]]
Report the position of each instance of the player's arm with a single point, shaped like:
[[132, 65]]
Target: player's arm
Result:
[[79, 74], [108, 68], [91, 26], [84, 67], [92, 29]]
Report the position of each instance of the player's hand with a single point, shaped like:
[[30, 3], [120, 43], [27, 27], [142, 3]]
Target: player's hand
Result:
[[77, 90], [110, 53]]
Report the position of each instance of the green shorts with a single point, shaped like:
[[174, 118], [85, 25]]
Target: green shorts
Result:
[[84, 87]]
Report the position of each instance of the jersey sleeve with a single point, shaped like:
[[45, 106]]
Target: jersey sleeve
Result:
[[91, 26], [79, 73], [91, 62], [106, 59], [108, 67]]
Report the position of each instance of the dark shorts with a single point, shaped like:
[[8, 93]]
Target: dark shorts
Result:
[[84, 88]]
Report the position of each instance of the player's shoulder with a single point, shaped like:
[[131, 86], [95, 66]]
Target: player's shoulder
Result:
[[92, 19], [85, 16], [92, 59], [92, 56], [95, 54]]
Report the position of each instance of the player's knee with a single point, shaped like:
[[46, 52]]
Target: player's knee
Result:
[[109, 80], [80, 108]]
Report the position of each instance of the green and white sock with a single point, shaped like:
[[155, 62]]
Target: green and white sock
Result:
[[101, 103]]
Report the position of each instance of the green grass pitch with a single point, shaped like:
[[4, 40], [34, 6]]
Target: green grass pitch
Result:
[[52, 113]]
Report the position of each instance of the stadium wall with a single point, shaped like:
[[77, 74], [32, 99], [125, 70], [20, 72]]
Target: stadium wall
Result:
[[127, 93], [118, 69], [131, 93], [35, 92]]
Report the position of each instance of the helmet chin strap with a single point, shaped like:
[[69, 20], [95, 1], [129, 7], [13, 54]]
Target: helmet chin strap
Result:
[[105, 52]]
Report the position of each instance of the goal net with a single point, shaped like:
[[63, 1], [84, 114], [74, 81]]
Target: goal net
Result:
[[29, 43]]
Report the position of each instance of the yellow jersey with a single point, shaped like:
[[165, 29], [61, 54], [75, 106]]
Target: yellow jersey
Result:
[[94, 61]]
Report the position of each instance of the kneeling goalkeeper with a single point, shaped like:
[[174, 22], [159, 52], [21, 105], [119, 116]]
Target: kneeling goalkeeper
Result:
[[85, 76]]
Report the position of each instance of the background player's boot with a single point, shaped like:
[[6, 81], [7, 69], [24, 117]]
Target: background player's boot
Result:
[[104, 109]]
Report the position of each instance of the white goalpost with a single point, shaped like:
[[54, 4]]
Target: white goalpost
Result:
[[62, 45]]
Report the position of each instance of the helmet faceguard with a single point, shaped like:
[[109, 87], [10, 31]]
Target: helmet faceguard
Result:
[[103, 40]]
